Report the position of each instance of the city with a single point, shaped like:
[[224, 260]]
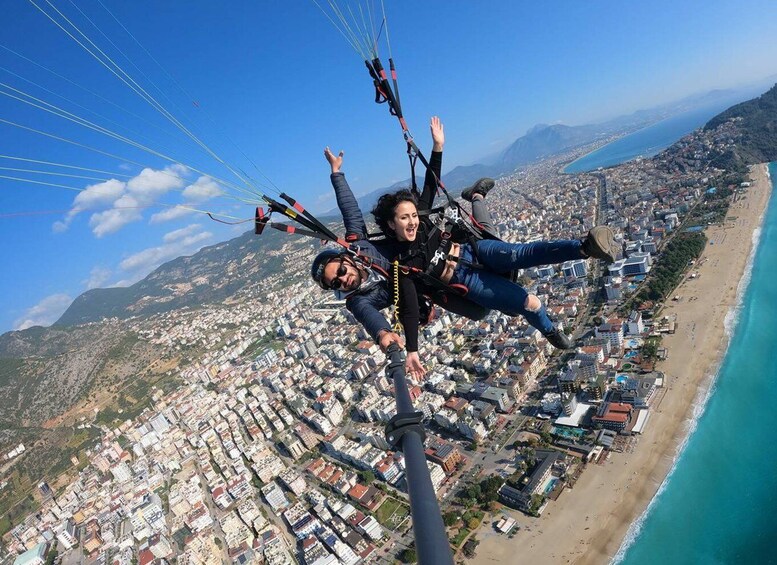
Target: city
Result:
[[272, 450]]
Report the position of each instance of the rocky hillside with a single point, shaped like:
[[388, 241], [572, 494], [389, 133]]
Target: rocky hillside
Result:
[[46, 371], [210, 276]]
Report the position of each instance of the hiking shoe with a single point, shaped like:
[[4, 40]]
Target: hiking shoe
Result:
[[600, 244], [559, 339], [481, 187]]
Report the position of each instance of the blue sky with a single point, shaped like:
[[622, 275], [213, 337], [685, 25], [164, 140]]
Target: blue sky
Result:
[[266, 85]]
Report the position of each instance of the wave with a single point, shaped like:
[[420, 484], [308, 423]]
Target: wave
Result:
[[705, 392]]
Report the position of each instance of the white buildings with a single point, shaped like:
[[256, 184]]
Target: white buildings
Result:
[[612, 330], [573, 270], [634, 323]]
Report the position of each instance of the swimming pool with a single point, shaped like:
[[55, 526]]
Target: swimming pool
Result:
[[627, 366], [621, 379], [630, 354], [549, 487], [563, 431], [632, 343]]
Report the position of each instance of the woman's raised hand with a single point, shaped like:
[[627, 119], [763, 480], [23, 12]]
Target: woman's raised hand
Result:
[[335, 161], [438, 133]]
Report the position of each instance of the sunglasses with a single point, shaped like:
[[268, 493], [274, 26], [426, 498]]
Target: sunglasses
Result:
[[336, 283]]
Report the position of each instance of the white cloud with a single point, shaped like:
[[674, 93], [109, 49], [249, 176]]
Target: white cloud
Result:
[[91, 198], [172, 213], [185, 241], [45, 312], [326, 197], [125, 211], [98, 276], [204, 188], [151, 184], [175, 235], [124, 200]]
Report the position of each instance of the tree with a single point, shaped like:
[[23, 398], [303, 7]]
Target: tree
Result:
[[450, 518], [368, 476], [649, 350], [408, 555], [536, 502], [474, 491]]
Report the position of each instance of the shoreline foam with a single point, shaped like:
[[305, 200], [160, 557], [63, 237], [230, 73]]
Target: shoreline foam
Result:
[[593, 522]]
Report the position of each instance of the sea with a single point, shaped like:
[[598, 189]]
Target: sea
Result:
[[717, 505], [646, 142]]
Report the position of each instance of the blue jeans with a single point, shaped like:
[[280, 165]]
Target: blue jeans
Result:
[[502, 257], [490, 289]]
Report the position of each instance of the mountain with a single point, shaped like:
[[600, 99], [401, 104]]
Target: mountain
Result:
[[212, 275], [45, 371], [757, 120], [544, 141]]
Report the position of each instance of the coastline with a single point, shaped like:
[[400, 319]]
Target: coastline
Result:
[[588, 524]]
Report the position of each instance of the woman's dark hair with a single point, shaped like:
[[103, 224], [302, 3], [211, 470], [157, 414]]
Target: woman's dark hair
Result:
[[387, 204]]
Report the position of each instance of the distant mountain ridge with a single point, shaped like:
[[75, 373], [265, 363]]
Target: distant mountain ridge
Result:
[[211, 275], [542, 141]]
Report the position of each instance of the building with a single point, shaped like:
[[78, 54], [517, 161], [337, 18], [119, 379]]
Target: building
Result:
[[446, 455], [66, 533], [35, 556], [612, 330], [498, 397], [521, 498], [546, 272], [568, 382], [551, 403], [637, 264], [597, 387], [638, 392], [573, 270], [613, 416], [613, 289], [634, 323]]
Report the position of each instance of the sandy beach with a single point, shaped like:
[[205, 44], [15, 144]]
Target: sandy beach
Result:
[[587, 524]]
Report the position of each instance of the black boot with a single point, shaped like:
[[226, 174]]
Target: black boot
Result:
[[559, 339], [481, 187]]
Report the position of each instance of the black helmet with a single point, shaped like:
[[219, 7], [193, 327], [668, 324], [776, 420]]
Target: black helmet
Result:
[[321, 260]]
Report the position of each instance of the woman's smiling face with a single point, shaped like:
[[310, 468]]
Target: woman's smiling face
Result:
[[405, 222]]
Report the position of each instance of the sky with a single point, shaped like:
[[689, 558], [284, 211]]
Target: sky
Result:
[[244, 96]]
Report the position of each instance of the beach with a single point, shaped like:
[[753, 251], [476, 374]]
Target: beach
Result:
[[588, 523]]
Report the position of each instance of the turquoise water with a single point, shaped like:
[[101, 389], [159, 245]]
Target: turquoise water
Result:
[[718, 504], [646, 142], [563, 431]]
